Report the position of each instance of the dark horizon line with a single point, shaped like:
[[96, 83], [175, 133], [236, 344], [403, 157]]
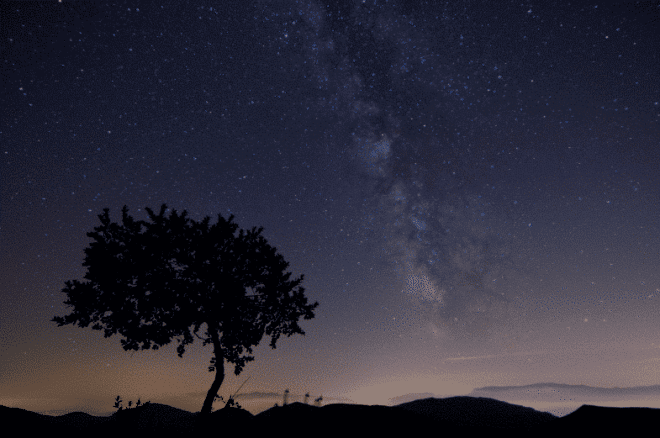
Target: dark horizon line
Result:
[[391, 400]]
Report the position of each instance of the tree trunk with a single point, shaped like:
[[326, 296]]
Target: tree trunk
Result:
[[219, 373]]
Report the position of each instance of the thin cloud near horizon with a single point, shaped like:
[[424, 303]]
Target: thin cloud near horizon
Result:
[[491, 356]]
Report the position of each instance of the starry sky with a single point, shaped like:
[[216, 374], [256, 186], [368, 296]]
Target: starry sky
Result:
[[471, 191]]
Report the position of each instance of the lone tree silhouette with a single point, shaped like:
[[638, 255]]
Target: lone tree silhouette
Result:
[[178, 274]]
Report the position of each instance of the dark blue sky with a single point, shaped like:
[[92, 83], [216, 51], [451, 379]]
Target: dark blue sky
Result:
[[471, 190]]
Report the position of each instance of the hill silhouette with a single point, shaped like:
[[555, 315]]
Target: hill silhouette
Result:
[[455, 414], [606, 421], [478, 412]]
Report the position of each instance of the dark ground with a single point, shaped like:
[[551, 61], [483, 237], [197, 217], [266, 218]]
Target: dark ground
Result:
[[465, 415]]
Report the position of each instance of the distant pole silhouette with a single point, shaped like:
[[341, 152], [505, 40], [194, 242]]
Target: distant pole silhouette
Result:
[[286, 397]]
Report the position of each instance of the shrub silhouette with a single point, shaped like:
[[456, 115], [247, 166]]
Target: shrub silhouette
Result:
[[155, 285], [230, 402], [118, 402]]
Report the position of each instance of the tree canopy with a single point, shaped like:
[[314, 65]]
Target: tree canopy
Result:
[[154, 281]]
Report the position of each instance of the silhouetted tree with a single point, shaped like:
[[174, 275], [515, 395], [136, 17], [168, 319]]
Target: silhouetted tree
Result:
[[178, 274]]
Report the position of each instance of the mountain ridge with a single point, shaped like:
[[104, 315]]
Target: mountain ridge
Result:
[[460, 414]]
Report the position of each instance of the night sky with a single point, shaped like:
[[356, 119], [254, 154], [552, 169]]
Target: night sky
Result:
[[471, 189]]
